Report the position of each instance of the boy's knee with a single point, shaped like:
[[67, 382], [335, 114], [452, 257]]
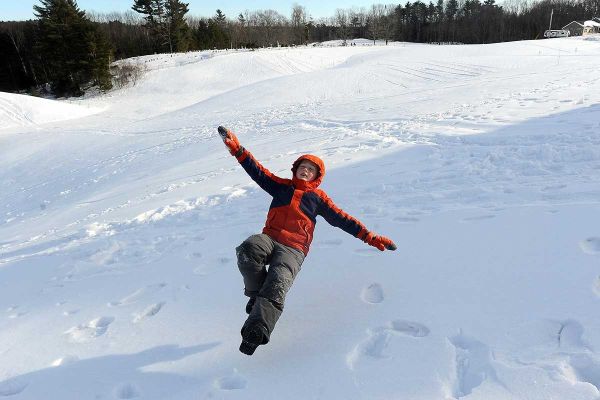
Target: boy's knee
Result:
[[242, 252], [252, 250]]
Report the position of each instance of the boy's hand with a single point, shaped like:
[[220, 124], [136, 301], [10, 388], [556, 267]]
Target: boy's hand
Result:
[[230, 140], [381, 242]]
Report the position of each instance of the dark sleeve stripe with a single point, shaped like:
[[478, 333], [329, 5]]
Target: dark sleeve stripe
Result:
[[337, 217], [259, 174]]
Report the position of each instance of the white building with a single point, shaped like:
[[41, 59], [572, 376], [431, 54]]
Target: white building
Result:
[[590, 27]]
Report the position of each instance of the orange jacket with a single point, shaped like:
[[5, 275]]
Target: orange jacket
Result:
[[296, 203]]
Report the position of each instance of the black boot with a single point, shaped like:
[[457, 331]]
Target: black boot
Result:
[[252, 337], [250, 304]]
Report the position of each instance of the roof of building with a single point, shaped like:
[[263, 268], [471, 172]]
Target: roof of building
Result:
[[574, 22]]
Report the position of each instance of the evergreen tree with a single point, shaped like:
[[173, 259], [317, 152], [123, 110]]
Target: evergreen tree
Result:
[[165, 19], [451, 15], [101, 52], [218, 30], [218, 37], [74, 52], [240, 31], [179, 31], [451, 10], [154, 12], [220, 18], [202, 35]]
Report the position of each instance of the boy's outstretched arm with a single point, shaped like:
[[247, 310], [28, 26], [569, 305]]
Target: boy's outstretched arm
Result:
[[259, 174], [337, 217]]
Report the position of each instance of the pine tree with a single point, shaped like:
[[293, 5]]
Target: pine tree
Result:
[[180, 33], [165, 19], [220, 18], [75, 53], [217, 29], [154, 12], [101, 52]]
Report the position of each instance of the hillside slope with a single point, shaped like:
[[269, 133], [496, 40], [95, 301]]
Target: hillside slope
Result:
[[118, 277]]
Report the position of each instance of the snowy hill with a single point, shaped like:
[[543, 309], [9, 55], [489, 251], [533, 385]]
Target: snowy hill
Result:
[[120, 215], [26, 111]]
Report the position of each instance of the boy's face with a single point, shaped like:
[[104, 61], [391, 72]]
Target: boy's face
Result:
[[307, 171]]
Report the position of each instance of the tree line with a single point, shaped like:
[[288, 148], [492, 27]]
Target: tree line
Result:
[[67, 50]]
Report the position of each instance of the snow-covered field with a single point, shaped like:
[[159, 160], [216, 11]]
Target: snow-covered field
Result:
[[119, 215]]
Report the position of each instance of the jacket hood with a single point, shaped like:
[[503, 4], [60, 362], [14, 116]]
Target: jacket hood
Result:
[[299, 183]]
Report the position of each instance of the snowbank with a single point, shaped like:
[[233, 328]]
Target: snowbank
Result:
[[21, 110]]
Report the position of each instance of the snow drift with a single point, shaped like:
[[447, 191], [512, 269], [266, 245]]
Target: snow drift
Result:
[[20, 110]]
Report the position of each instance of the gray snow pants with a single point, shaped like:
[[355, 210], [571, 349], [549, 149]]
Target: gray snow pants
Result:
[[268, 286]]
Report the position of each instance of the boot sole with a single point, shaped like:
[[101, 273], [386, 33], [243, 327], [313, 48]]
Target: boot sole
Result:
[[251, 339], [248, 348]]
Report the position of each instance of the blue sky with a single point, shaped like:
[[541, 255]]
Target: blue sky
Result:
[[23, 9]]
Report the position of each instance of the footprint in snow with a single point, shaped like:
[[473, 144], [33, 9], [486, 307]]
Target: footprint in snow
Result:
[[138, 294], [235, 381], [90, 331], [406, 220], [14, 312], [552, 188], [368, 252], [374, 347], [585, 369], [194, 255], [570, 335], [17, 314], [148, 312], [478, 218], [373, 211], [372, 294], [127, 391], [409, 328], [202, 270], [590, 245], [54, 287], [472, 364], [328, 244], [376, 344]]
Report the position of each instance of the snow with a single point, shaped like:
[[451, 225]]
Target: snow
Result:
[[20, 110], [591, 23], [120, 214]]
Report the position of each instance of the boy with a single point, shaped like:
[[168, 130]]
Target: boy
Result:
[[286, 237]]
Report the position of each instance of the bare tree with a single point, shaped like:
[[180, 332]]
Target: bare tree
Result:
[[387, 22], [342, 21], [375, 20], [17, 38], [358, 22], [298, 21], [268, 21]]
